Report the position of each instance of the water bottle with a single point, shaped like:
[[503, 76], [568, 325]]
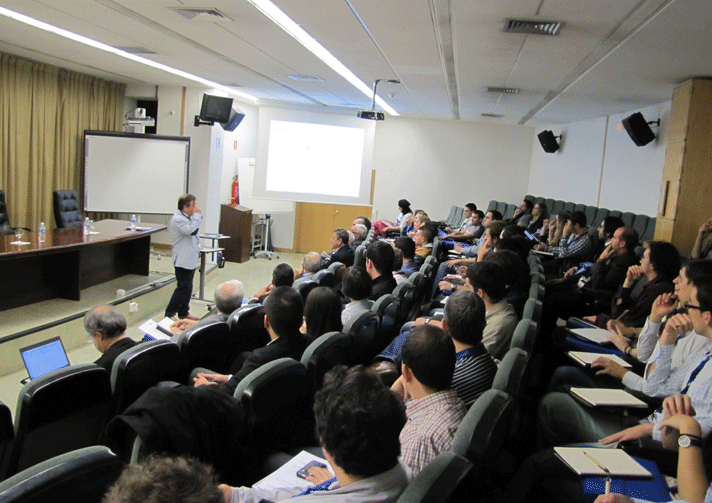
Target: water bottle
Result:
[[133, 222], [42, 233], [86, 226]]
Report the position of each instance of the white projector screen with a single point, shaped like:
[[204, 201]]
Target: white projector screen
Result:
[[134, 173], [313, 157]]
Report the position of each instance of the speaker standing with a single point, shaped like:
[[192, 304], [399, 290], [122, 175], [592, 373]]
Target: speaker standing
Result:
[[186, 248]]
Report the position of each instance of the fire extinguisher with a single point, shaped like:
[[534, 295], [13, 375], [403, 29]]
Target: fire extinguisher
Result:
[[235, 191]]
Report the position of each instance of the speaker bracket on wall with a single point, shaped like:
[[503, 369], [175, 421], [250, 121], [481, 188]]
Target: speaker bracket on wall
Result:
[[548, 141]]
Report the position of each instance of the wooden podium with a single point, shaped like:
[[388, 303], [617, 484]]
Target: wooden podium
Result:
[[236, 222]]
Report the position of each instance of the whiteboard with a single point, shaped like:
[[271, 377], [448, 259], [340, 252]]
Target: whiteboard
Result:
[[134, 173]]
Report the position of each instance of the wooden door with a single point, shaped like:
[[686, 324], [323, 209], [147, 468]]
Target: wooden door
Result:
[[315, 222]]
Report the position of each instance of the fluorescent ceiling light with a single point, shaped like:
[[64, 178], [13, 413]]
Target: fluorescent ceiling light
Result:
[[98, 45], [285, 22]]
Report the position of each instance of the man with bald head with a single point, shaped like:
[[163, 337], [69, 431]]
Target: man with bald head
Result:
[[310, 265], [106, 327], [228, 298]]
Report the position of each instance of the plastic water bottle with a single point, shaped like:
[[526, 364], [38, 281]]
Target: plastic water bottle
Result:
[[86, 226], [42, 233], [133, 222]]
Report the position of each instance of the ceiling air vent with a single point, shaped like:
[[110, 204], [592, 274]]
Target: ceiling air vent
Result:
[[493, 116], [202, 14], [532, 27], [503, 90], [136, 50]]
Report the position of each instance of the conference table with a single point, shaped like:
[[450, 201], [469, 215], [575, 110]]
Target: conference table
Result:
[[68, 261]]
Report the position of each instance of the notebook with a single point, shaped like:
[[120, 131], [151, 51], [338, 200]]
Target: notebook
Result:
[[44, 357], [592, 461], [597, 335], [585, 358], [596, 397]]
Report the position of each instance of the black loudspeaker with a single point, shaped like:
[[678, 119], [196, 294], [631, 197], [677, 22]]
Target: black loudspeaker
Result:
[[638, 129], [548, 141], [235, 120]]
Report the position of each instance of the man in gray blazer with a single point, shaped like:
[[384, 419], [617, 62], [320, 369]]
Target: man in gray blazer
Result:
[[186, 248]]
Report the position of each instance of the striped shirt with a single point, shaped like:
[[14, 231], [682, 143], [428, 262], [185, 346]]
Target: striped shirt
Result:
[[474, 373]]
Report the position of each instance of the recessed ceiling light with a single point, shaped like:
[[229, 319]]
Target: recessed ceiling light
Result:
[[528, 27], [503, 90], [306, 78], [493, 116]]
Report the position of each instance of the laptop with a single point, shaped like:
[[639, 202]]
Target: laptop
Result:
[[44, 357]]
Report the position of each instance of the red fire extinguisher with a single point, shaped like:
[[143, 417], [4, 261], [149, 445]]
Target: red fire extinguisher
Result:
[[235, 191]]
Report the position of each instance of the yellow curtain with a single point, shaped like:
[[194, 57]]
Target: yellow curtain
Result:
[[44, 111]]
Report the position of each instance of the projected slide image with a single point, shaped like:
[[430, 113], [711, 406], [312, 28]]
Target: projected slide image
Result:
[[314, 159]]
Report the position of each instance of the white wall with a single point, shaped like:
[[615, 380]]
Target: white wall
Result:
[[598, 164], [435, 164]]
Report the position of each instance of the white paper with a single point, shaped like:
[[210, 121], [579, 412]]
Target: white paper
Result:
[[597, 335], [286, 476], [150, 328], [608, 397], [584, 358], [617, 461]]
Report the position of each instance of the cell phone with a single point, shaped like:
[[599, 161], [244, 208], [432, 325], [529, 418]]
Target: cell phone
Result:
[[303, 472], [531, 236]]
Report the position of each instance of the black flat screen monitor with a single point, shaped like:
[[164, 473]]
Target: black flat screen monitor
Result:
[[215, 108]]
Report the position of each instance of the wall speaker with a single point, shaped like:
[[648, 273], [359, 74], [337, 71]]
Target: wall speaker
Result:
[[638, 129], [548, 141], [235, 118]]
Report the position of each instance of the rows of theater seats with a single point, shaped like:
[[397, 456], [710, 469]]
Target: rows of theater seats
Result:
[[60, 416], [643, 224]]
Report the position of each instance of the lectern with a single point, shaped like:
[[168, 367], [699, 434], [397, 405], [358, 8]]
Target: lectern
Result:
[[236, 221]]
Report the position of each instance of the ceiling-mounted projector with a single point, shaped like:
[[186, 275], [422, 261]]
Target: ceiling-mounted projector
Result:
[[372, 114]]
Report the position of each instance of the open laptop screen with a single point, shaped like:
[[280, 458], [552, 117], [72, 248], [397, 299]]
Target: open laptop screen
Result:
[[44, 357]]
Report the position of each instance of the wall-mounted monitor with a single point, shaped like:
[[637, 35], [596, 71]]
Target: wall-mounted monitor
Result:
[[215, 108]]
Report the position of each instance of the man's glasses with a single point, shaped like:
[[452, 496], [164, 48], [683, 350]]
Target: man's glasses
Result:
[[689, 306]]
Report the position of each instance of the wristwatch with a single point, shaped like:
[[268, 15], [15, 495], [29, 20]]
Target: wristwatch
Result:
[[689, 440]]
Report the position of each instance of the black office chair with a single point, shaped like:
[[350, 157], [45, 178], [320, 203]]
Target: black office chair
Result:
[[324, 278], [277, 403], [322, 355], [7, 435], [438, 480], [58, 413], [388, 307], [209, 346], [83, 475], [140, 367], [304, 286], [5, 228], [66, 208], [363, 332], [247, 327]]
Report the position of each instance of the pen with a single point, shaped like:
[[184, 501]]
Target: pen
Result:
[[600, 465]]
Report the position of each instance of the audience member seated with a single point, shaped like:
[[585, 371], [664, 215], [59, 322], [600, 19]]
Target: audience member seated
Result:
[[383, 226], [662, 363], [471, 251], [322, 313], [433, 409], [356, 285], [563, 420], [543, 477], [660, 266], [340, 249], [228, 298], [358, 421], [398, 273], [424, 242], [575, 244], [106, 327], [566, 298], [488, 281], [464, 320], [606, 230], [159, 479], [282, 275], [360, 232], [420, 218], [523, 215], [540, 216], [407, 247], [517, 277], [364, 221], [311, 264], [468, 229], [379, 265], [283, 318], [703, 246], [551, 235]]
